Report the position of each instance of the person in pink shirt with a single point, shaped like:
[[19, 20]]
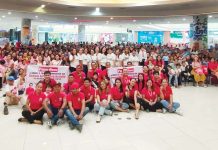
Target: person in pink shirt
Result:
[[29, 89], [79, 75], [213, 66], [2, 72]]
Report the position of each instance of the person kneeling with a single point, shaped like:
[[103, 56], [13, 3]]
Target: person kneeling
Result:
[[34, 111], [77, 109], [57, 106], [149, 99]]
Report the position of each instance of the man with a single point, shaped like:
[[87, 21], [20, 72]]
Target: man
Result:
[[104, 73], [66, 87], [89, 93], [93, 70], [12, 97], [57, 106], [77, 110], [79, 75], [47, 81]]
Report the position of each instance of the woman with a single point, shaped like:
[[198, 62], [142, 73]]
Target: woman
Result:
[[125, 56], [118, 59], [57, 61], [166, 95], [159, 62], [103, 60], [74, 60], [131, 92], [111, 57], [140, 82], [213, 67], [197, 71], [86, 61], [149, 98], [103, 97], [117, 95], [34, 110]]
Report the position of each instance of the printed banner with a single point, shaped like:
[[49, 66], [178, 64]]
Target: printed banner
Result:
[[36, 73], [116, 72]]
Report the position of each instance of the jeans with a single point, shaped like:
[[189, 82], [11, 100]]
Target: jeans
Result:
[[55, 116], [72, 118], [102, 110], [175, 79], [166, 104], [115, 104]]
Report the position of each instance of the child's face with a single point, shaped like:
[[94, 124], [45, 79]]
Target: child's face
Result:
[[48, 89]]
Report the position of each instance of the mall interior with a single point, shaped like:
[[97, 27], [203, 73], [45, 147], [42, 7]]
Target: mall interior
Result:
[[181, 24]]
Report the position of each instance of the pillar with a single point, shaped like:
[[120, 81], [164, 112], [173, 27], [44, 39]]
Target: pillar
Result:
[[81, 33], [26, 31], [198, 32]]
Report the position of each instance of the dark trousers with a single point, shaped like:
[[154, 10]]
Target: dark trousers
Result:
[[142, 63], [37, 116], [146, 105], [85, 69], [1, 82], [129, 101], [103, 67], [90, 106], [72, 69]]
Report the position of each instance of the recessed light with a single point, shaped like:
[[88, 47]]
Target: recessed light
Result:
[[42, 6], [184, 19], [3, 16], [36, 16], [134, 20], [210, 16], [111, 18], [168, 22], [75, 18], [97, 9], [9, 13], [150, 23]]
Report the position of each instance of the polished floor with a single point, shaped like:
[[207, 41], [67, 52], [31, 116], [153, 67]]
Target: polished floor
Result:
[[197, 129]]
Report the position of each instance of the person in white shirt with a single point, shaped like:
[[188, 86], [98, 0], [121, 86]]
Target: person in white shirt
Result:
[[125, 56], [103, 60], [86, 61], [118, 59], [111, 57], [98, 56], [74, 60], [142, 56], [134, 58], [93, 56], [80, 56], [56, 61]]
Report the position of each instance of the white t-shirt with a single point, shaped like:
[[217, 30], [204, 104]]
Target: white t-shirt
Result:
[[118, 61], [142, 55], [11, 88], [111, 58], [134, 60], [74, 60], [125, 59], [103, 59], [86, 59], [56, 62]]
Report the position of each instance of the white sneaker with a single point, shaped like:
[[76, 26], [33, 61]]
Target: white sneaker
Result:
[[49, 124], [164, 110], [98, 119], [60, 122], [178, 113]]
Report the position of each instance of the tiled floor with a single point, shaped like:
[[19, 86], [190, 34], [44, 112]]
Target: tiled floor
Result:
[[197, 129]]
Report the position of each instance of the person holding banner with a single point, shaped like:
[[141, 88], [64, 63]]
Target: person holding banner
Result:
[[47, 81], [55, 105], [117, 96], [89, 93], [34, 111], [103, 98]]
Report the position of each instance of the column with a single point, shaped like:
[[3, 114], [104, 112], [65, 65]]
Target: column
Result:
[[81, 33], [198, 32], [26, 31]]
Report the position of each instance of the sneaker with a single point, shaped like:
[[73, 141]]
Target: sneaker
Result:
[[79, 127], [81, 121], [164, 110], [49, 124], [147, 110], [178, 113], [60, 122], [98, 120], [136, 115], [128, 110], [71, 126], [6, 110], [111, 113]]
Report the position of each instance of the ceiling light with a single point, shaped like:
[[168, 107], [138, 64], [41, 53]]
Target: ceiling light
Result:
[[184, 19], [96, 12], [75, 18], [134, 20], [210, 16], [150, 23], [9, 13], [3, 16], [42, 6], [111, 18], [97, 9], [36, 16], [168, 22], [107, 22]]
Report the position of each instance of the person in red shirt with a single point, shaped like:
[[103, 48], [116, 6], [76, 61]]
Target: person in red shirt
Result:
[[213, 67], [33, 112], [30, 89], [140, 82], [159, 62], [149, 98], [166, 95], [89, 93], [93, 70], [156, 79], [125, 78], [79, 75], [103, 98], [66, 87], [77, 109], [104, 73], [117, 96], [55, 105], [47, 81]]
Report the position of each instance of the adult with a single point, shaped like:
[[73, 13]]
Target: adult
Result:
[[47, 81]]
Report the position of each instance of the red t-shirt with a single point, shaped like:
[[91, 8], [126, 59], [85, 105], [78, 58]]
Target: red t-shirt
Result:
[[29, 90], [167, 92], [116, 94], [79, 78], [36, 100], [159, 63], [125, 81], [76, 100], [132, 92], [56, 99], [103, 94], [146, 76], [52, 82], [149, 95], [140, 86], [67, 86], [103, 74], [88, 91], [91, 72], [212, 65]]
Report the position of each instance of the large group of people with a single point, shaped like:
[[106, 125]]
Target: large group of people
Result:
[[89, 88]]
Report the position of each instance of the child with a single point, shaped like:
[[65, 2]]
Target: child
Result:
[[48, 90], [30, 89]]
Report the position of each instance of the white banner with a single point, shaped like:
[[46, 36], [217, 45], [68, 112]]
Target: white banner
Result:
[[36, 73], [116, 72]]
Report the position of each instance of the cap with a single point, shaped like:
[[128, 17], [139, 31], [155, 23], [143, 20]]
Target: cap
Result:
[[74, 86], [11, 78]]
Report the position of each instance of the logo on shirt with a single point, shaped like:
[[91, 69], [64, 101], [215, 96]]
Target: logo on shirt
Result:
[[40, 99], [60, 99]]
